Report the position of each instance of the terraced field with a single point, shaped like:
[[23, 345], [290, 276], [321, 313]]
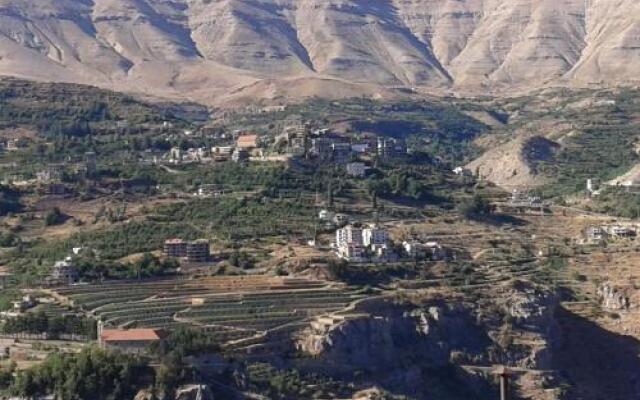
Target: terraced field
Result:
[[229, 308]]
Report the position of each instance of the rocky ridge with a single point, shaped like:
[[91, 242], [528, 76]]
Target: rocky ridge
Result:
[[225, 50]]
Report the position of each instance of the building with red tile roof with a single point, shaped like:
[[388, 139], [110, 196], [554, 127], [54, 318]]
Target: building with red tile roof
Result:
[[130, 340]]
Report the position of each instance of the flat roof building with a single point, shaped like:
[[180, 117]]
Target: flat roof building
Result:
[[247, 142], [198, 251], [176, 248]]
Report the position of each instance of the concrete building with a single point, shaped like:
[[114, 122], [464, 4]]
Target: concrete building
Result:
[[349, 236], [52, 173], [198, 251], [429, 250], [240, 155], [382, 253], [321, 147], [352, 253], [523, 198], [63, 272], [340, 153], [621, 231], [340, 219], [132, 341], [248, 142], [326, 215], [373, 235], [391, 148], [176, 248], [360, 245], [596, 234], [175, 155], [357, 169], [12, 144], [360, 148]]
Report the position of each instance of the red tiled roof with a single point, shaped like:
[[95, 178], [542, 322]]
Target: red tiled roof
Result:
[[131, 335]]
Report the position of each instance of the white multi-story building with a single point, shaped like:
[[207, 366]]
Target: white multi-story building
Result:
[[359, 245], [354, 253], [374, 236], [349, 236]]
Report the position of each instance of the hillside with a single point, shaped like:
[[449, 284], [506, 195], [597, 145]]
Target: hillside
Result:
[[219, 51]]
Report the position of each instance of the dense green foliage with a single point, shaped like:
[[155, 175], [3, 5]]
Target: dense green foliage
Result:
[[9, 200], [54, 326], [117, 241], [187, 342], [54, 217], [474, 207], [621, 202], [602, 149], [91, 374], [243, 218], [72, 110], [7, 296]]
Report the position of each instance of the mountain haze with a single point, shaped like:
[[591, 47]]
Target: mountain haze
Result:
[[210, 50]]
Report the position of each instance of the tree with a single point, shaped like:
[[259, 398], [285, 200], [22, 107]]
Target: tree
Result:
[[474, 207], [54, 217]]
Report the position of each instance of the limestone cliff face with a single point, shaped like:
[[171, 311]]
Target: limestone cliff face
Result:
[[393, 335], [177, 46], [437, 333]]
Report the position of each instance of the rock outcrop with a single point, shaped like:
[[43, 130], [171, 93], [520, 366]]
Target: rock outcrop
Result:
[[615, 298], [391, 335], [194, 392]]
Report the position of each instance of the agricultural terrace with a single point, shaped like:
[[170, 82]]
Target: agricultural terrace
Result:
[[229, 308]]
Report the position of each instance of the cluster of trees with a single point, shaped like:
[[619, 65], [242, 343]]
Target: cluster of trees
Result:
[[474, 207], [91, 374], [398, 184], [116, 241], [173, 372], [9, 239], [9, 200], [38, 323], [63, 109], [618, 201], [99, 374], [244, 218], [147, 266]]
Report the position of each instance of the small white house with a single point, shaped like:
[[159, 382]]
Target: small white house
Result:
[[326, 215], [418, 250], [357, 169]]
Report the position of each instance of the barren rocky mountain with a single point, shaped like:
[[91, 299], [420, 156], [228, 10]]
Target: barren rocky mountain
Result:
[[204, 49]]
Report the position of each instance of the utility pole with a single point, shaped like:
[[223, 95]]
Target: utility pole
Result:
[[505, 376]]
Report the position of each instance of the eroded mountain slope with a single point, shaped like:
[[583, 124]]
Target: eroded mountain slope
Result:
[[205, 49]]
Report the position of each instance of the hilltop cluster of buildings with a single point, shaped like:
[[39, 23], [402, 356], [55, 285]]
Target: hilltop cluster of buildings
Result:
[[373, 244], [244, 147], [338, 150]]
